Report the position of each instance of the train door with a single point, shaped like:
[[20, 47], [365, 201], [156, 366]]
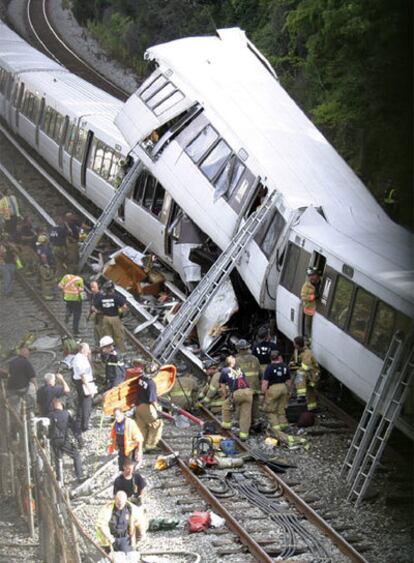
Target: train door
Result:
[[175, 214], [62, 141]]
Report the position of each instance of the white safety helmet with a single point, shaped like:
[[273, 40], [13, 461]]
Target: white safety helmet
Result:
[[105, 341]]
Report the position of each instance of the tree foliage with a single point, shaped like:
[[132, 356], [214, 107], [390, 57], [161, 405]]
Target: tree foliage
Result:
[[347, 63]]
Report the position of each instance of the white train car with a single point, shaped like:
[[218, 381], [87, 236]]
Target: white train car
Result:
[[216, 132]]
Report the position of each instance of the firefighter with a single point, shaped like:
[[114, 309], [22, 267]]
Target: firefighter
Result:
[[211, 396], [146, 412], [26, 239], [236, 394], [111, 305], [118, 524], [95, 294], [307, 373], [58, 237], [185, 390], [43, 247], [114, 362], [276, 386], [126, 438], [263, 348], [309, 295], [73, 295], [250, 366], [47, 278], [72, 240]]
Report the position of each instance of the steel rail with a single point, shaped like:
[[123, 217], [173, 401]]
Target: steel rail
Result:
[[47, 25], [255, 549], [313, 517]]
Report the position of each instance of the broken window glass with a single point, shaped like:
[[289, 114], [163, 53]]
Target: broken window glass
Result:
[[214, 162], [202, 143]]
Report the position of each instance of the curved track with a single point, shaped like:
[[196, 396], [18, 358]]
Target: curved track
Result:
[[49, 41]]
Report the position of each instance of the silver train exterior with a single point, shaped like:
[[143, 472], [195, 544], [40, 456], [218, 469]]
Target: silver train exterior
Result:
[[216, 131]]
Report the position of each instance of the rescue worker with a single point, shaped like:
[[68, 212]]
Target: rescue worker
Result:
[[113, 360], [85, 385], [250, 366], [47, 278], [73, 295], [26, 240], [126, 438], [263, 348], [97, 316], [118, 524], [58, 237], [146, 412], [236, 394], [61, 426], [276, 388], [211, 396], [9, 211], [307, 372], [309, 295], [184, 393], [21, 383], [49, 391], [43, 247], [111, 304], [73, 228], [131, 482], [9, 262]]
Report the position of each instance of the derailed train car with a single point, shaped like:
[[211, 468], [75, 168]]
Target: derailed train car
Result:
[[216, 132]]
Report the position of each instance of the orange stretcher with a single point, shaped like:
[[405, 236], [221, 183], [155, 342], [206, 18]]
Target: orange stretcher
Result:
[[123, 396]]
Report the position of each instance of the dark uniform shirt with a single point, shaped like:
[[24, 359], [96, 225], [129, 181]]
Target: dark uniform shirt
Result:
[[276, 373], [234, 379], [58, 235], [147, 391], [114, 368], [109, 304], [132, 487], [47, 251], [61, 422], [262, 351], [119, 522], [119, 431], [20, 373], [45, 396], [27, 236]]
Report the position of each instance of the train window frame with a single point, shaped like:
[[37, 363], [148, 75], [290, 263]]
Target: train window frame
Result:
[[205, 148], [274, 226], [290, 266], [80, 144], [231, 183], [4, 75], [217, 165], [353, 330], [161, 98], [347, 310], [149, 182], [374, 347], [71, 137], [147, 89]]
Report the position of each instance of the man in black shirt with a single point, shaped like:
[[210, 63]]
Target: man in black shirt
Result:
[[49, 391], [263, 348], [58, 236], [21, 383], [110, 304], [131, 482], [146, 412], [276, 387], [61, 426]]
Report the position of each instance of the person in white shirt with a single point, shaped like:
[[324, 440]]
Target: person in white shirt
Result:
[[85, 386]]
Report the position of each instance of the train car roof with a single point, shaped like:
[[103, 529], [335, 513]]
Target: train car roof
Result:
[[73, 94], [17, 56], [247, 104]]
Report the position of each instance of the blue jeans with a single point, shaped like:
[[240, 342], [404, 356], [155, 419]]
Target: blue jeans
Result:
[[8, 272]]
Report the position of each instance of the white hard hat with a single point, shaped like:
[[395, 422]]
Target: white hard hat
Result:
[[105, 341]]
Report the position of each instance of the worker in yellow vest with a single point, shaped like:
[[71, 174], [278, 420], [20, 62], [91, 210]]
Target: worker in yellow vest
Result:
[[309, 295], [9, 211], [73, 295]]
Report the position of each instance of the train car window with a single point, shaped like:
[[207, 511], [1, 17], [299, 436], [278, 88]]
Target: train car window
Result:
[[149, 192], [383, 329], [70, 138], [215, 160], [98, 157], [289, 271], [152, 88], [140, 187], [168, 103], [361, 315], [229, 178], [202, 143], [268, 236], [341, 302], [114, 170], [107, 162], [158, 200], [59, 126], [166, 91], [48, 117], [80, 145], [3, 80]]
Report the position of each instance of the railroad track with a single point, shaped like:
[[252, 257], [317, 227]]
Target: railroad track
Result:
[[46, 38]]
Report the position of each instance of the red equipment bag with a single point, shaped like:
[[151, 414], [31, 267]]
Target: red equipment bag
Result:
[[198, 522]]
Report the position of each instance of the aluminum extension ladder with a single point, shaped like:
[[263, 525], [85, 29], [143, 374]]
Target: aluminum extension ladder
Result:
[[109, 212], [181, 325], [379, 417]]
